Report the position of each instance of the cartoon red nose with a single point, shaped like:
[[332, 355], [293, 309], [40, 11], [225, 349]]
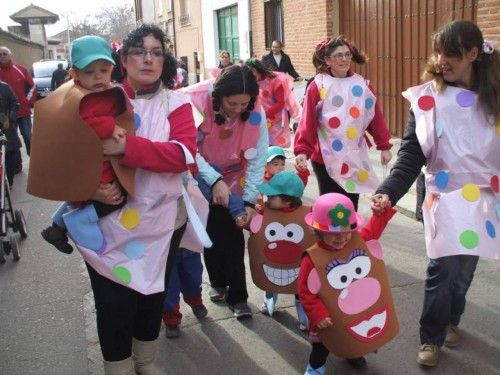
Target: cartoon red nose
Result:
[[284, 252]]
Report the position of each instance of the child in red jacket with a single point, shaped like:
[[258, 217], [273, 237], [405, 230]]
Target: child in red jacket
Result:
[[334, 222], [92, 67]]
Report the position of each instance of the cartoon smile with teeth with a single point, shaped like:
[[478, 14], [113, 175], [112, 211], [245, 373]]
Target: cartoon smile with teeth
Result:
[[275, 248], [350, 281]]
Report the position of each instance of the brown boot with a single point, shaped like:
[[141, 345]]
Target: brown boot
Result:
[[143, 353], [453, 336], [428, 355], [123, 367]]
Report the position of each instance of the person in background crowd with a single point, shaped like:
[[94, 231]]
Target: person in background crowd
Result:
[[277, 60], [453, 129], [21, 82], [232, 144], [9, 105], [339, 107], [58, 77], [224, 59]]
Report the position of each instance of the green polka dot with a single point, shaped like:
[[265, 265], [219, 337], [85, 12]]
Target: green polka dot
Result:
[[469, 239], [322, 133], [123, 274], [350, 186]]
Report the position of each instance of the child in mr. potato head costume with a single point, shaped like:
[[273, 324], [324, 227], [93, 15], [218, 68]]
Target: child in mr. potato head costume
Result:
[[343, 283]]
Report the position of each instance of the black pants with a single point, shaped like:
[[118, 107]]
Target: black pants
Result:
[[328, 185], [12, 162], [123, 313], [103, 209], [225, 259], [319, 354]]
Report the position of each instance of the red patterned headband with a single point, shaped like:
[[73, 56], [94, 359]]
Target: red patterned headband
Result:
[[321, 45]]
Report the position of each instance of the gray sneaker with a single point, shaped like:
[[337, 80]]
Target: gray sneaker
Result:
[[217, 294], [172, 332], [241, 310], [200, 311]]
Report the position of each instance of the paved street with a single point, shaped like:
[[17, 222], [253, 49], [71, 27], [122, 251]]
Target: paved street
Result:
[[47, 321]]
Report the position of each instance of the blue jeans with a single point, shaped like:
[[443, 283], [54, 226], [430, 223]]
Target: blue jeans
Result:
[[446, 285], [236, 205], [24, 124], [185, 278]]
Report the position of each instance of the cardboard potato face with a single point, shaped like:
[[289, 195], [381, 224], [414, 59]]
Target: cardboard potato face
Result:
[[353, 285], [275, 248], [66, 154]]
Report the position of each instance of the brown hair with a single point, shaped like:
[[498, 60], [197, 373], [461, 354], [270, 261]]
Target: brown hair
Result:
[[326, 47], [456, 39]]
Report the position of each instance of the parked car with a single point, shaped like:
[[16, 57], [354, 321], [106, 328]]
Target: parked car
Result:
[[42, 75]]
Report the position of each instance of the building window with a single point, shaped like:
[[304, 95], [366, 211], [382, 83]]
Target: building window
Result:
[[184, 18], [273, 19]]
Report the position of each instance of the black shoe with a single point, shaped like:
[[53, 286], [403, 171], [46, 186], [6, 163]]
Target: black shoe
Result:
[[358, 363], [200, 311], [57, 237], [19, 169], [241, 310]]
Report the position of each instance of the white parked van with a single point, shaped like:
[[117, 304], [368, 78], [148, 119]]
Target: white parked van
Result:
[[42, 75]]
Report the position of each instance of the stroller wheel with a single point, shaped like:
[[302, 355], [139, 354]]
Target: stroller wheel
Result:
[[21, 223], [2, 254], [14, 246]]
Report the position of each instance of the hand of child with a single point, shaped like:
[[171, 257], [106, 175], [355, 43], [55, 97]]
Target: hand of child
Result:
[[385, 157], [249, 216], [240, 221], [379, 203], [301, 161], [325, 323], [118, 133]]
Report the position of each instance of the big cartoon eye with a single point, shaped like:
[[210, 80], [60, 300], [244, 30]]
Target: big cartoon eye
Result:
[[274, 232], [360, 266], [340, 277], [294, 233]]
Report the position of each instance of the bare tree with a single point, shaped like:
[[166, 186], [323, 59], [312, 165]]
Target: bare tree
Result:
[[86, 26], [116, 21]]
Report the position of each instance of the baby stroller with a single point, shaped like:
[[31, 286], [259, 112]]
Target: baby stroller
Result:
[[9, 218]]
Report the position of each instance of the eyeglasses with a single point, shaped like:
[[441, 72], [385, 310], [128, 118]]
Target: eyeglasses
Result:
[[4, 54], [141, 53], [339, 56]]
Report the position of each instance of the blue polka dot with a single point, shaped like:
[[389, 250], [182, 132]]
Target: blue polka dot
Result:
[[442, 180], [497, 209], [134, 249], [273, 100], [200, 136], [255, 118], [319, 113], [137, 121], [357, 90], [337, 145], [439, 128], [369, 103], [490, 229]]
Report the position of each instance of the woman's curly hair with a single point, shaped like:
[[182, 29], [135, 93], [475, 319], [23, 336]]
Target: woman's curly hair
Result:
[[234, 80]]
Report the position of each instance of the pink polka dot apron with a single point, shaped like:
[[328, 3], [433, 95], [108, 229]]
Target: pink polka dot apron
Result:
[[227, 147], [278, 127], [462, 205], [137, 237], [346, 108]]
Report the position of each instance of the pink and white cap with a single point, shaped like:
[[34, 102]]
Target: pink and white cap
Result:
[[334, 212]]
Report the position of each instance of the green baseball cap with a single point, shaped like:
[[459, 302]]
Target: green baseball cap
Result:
[[274, 151], [87, 49], [285, 182]]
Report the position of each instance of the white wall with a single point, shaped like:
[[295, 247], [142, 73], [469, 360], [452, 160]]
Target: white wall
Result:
[[210, 33], [148, 11]]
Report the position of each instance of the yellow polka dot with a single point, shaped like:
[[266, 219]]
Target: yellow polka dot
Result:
[[352, 133], [471, 192], [242, 182], [322, 93], [130, 218], [497, 127], [269, 124], [363, 175]]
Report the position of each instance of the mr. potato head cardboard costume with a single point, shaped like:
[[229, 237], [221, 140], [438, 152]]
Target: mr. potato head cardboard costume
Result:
[[279, 238], [350, 285], [66, 157]]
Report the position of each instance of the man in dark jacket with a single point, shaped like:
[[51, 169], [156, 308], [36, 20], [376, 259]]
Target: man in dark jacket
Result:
[[9, 106], [58, 76], [279, 61]]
